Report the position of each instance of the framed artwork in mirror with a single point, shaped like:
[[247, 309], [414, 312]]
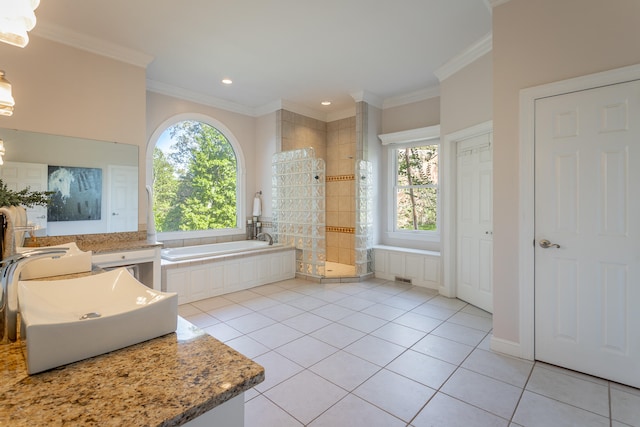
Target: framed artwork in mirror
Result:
[[77, 193]]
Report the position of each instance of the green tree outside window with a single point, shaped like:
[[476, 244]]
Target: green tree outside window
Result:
[[416, 188], [195, 180]]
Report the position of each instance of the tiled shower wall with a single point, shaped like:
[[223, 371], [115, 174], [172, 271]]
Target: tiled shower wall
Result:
[[348, 215], [341, 190], [298, 131]]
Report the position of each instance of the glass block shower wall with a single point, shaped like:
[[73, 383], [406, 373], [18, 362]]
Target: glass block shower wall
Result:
[[364, 218], [298, 186]]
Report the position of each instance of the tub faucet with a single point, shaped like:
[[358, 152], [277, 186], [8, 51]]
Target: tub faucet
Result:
[[267, 235], [9, 276]]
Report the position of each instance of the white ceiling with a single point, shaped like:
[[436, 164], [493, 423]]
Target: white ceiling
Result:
[[298, 52]]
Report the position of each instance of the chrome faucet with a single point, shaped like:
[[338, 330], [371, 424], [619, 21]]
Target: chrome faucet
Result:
[[9, 276], [258, 237]]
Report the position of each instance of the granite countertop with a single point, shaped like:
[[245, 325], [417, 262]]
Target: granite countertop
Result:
[[116, 245], [165, 381], [103, 242]]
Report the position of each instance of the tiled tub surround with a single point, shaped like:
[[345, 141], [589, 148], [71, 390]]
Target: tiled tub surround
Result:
[[166, 381], [179, 243], [196, 279], [381, 353]]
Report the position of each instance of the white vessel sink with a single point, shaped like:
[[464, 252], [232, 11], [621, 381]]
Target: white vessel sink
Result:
[[74, 261], [63, 321]]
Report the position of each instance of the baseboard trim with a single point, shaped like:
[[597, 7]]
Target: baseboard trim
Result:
[[510, 348]]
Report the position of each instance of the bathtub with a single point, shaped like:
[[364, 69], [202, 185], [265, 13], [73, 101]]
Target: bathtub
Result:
[[205, 271], [214, 249]]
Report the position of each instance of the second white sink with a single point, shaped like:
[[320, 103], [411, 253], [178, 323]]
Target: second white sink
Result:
[[74, 261], [63, 321]]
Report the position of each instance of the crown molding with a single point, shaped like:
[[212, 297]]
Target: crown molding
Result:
[[268, 108], [496, 3], [466, 57], [409, 98], [342, 114], [368, 97], [94, 45], [188, 95], [487, 4], [305, 111], [411, 135]]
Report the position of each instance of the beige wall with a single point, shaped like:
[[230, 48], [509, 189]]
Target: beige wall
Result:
[[466, 97], [66, 91], [396, 119], [411, 116], [265, 149], [161, 108], [538, 42]]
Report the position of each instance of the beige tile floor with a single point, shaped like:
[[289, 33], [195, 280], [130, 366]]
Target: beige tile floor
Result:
[[380, 353], [334, 269]]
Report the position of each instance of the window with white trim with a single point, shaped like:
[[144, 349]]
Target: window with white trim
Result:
[[413, 188], [197, 179]]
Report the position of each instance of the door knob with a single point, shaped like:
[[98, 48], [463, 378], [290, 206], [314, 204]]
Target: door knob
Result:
[[544, 243]]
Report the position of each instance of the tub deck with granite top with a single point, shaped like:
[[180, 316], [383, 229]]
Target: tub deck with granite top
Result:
[[166, 381]]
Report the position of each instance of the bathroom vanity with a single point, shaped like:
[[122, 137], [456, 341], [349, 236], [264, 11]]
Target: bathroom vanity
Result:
[[111, 250], [183, 378], [143, 257]]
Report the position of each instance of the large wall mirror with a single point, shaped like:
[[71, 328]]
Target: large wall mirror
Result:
[[95, 182]]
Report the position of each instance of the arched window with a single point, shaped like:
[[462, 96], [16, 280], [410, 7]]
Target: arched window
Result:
[[196, 176]]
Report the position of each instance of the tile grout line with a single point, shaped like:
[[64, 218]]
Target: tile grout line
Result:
[[343, 349], [610, 404], [405, 348], [453, 373]]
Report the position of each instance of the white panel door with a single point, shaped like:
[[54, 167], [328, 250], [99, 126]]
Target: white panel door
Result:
[[587, 195], [474, 226], [123, 198], [17, 176]]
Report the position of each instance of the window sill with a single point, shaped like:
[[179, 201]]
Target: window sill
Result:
[[422, 236], [177, 235]]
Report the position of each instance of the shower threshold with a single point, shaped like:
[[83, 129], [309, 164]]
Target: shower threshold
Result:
[[337, 273], [334, 269]]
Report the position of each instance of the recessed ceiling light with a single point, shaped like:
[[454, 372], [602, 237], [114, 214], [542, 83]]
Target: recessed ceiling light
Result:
[[326, 103], [227, 81]]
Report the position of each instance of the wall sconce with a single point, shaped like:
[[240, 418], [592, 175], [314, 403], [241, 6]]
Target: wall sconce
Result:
[[6, 100], [2, 151], [16, 18]]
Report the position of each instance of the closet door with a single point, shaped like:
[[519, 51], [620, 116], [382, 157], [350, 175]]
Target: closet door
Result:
[[474, 225], [587, 247]]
